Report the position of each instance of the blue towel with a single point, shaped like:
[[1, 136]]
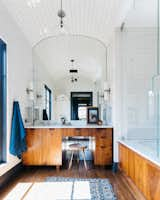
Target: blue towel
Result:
[[18, 133]]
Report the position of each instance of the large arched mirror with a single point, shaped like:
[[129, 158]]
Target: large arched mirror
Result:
[[64, 65]]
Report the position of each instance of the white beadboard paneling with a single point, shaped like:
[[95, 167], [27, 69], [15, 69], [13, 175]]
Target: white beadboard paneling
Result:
[[93, 18], [56, 53]]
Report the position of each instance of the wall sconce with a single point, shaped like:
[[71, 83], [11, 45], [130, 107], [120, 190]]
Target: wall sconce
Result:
[[107, 91], [105, 94], [39, 96], [30, 91]]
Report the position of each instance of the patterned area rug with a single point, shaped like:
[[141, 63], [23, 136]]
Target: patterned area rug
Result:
[[84, 189]]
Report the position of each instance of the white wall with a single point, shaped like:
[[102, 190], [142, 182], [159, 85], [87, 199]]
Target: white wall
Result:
[[19, 73]]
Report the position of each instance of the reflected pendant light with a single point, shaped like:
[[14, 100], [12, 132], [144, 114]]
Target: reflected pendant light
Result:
[[74, 72]]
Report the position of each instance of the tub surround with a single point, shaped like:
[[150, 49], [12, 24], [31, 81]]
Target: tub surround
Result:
[[138, 147], [144, 173]]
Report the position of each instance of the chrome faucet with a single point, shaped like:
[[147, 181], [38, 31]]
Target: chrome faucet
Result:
[[63, 120]]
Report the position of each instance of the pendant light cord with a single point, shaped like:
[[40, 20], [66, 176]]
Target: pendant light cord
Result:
[[61, 16], [61, 4]]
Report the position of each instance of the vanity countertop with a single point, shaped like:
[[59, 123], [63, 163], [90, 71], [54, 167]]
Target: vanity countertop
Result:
[[68, 126]]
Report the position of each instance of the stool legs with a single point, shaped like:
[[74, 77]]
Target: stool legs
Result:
[[78, 157], [84, 159], [85, 164], [70, 162]]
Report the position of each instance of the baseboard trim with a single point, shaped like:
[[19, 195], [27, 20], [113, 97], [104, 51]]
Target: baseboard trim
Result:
[[5, 178]]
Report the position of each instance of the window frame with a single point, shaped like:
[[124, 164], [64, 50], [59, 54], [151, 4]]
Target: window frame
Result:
[[48, 91], [72, 94], [3, 101]]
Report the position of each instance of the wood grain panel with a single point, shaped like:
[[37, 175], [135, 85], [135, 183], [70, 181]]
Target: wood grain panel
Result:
[[67, 132], [33, 155], [144, 173], [104, 146], [52, 147], [45, 145]]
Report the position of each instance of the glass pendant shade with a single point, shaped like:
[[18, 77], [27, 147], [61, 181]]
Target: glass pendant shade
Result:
[[60, 31]]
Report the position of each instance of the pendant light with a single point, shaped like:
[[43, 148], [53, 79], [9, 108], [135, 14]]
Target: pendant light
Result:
[[61, 30]]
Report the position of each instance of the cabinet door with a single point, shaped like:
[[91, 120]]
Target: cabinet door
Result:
[[33, 155], [52, 147], [103, 151]]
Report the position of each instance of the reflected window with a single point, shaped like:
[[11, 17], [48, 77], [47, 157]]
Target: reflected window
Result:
[[48, 102], [82, 111], [79, 103]]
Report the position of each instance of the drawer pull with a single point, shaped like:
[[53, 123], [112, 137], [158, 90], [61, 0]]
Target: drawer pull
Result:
[[102, 147], [51, 129], [31, 129], [103, 137]]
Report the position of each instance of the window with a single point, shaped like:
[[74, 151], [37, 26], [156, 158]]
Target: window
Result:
[[2, 101], [79, 103], [48, 102], [82, 111]]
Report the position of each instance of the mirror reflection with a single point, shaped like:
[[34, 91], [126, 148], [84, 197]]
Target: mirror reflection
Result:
[[69, 75]]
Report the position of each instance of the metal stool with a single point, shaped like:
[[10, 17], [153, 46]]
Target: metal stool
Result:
[[76, 147]]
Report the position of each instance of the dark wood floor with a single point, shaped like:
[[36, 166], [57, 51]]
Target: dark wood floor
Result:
[[123, 187]]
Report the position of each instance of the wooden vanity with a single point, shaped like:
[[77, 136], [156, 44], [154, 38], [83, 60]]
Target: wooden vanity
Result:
[[45, 144]]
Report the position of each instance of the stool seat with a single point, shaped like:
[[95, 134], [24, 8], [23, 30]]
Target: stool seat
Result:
[[76, 147]]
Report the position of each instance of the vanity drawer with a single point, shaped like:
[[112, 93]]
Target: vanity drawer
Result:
[[104, 143], [103, 150], [75, 132], [103, 155], [104, 133], [104, 138], [67, 132]]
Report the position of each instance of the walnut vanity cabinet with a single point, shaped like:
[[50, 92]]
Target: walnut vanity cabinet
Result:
[[103, 147], [52, 147], [44, 145], [33, 155]]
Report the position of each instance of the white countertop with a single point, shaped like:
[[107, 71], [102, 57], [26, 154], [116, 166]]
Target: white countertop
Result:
[[68, 126], [141, 150]]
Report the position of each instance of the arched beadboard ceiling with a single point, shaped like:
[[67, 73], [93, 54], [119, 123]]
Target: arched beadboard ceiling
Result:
[[55, 54], [94, 18]]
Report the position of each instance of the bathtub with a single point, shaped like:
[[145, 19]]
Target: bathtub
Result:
[[140, 161], [146, 148]]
